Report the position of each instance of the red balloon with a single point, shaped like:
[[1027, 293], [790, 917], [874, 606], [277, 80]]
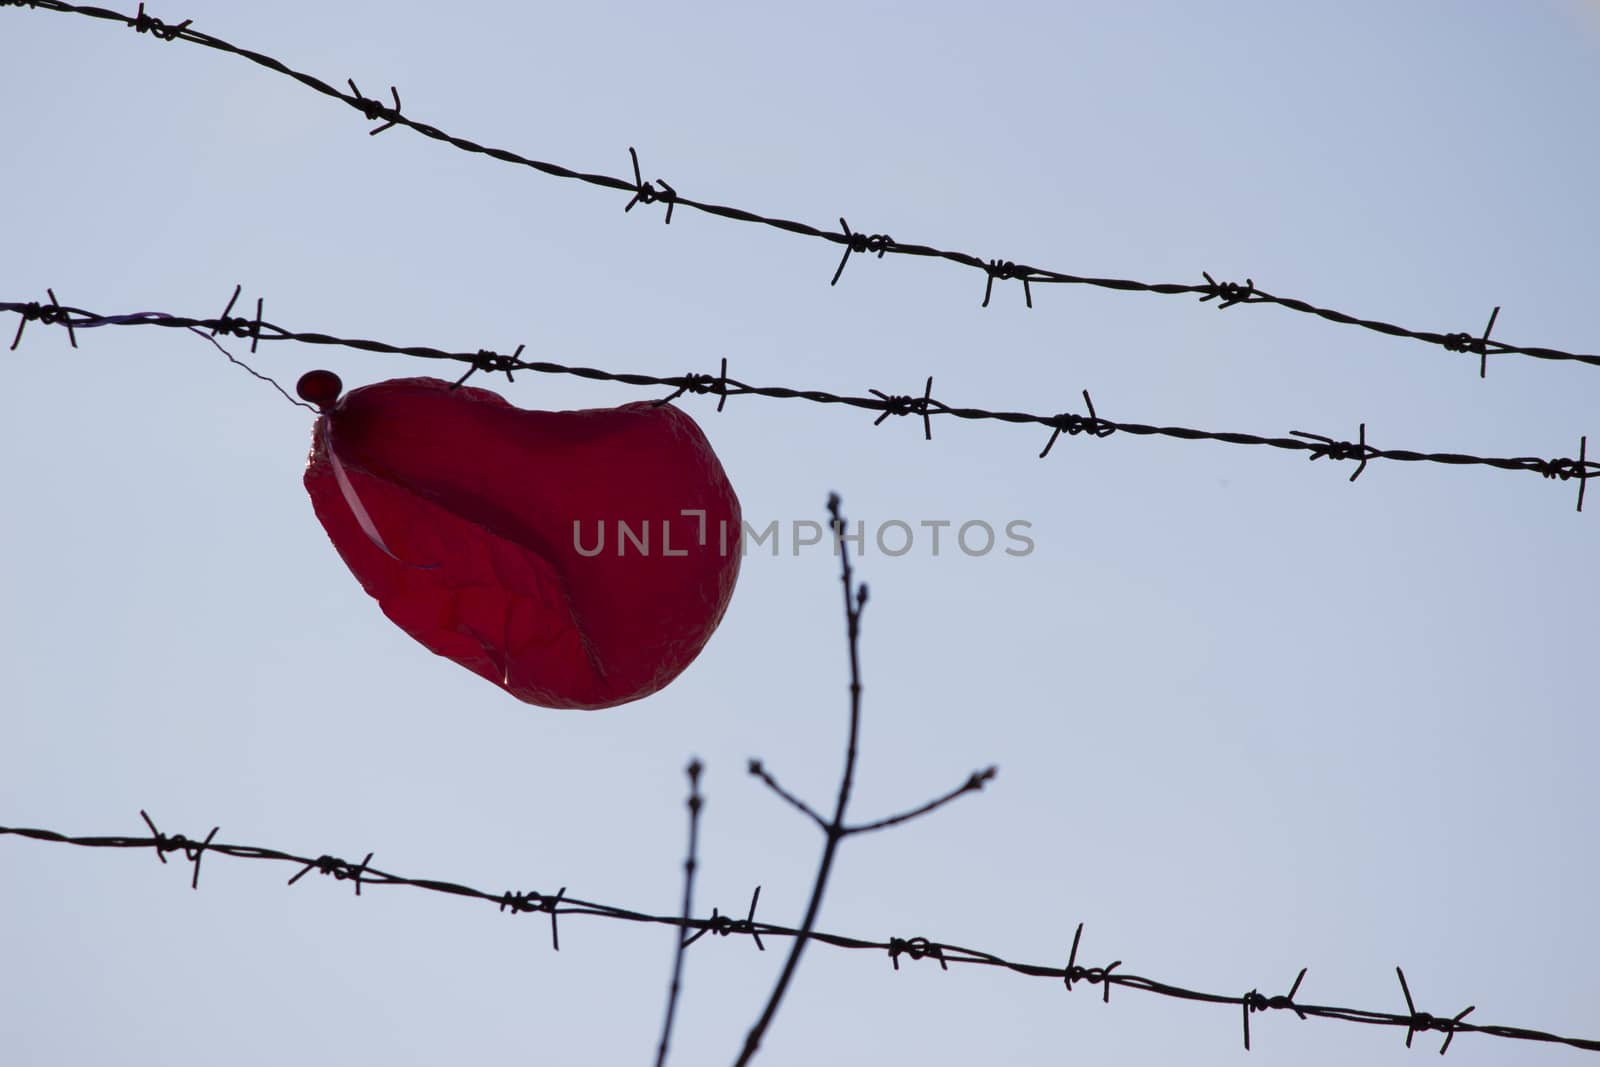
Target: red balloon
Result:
[[577, 559]]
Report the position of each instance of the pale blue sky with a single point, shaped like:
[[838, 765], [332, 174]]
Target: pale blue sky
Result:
[[1248, 717]]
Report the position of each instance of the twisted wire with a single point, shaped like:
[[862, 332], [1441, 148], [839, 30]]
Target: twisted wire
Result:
[[1226, 293], [1071, 973], [924, 406]]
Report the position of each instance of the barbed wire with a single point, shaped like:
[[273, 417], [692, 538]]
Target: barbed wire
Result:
[[925, 407], [690, 929], [835, 830], [559, 904], [1227, 294]]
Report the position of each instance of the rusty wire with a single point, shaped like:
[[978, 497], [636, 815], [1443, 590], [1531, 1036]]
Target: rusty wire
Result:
[[1226, 293], [924, 407]]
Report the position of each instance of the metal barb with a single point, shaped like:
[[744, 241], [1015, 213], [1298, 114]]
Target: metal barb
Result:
[[142, 23], [1226, 293], [949, 955], [549, 904], [1315, 445], [1483, 344], [644, 193], [1334, 449], [694, 382], [1420, 1021], [1074, 973], [255, 327], [1253, 1001], [899, 404], [725, 926], [222, 320], [916, 948], [1583, 467], [192, 850], [1005, 269], [1072, 425], [374, 110], [62, 316], [45, 314], [859, 242]]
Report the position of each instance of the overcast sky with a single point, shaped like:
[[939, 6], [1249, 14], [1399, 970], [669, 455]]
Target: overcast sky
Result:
[[1249, 717]]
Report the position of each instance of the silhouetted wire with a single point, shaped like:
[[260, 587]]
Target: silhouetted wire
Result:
[[835, 830], [1227, 294], [925, 407], [363, 874]]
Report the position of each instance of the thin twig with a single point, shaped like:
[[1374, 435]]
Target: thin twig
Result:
[[679, 937], [758, 770], [833, 832], [836, 830], [973, 783]]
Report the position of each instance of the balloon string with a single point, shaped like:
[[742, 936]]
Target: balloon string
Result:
[[356, 508]]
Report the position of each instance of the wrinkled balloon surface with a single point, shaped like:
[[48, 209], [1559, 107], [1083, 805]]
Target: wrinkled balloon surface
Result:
[[576, 559]]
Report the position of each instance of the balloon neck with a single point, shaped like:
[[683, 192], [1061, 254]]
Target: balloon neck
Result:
[[320, 388]]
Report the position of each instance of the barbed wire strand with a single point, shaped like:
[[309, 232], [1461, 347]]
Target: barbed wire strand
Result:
[[835, 830], [947, 954], [925, 407], [1226, 294]]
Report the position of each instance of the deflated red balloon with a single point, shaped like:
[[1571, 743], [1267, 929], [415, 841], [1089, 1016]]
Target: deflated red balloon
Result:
[[577, 559]]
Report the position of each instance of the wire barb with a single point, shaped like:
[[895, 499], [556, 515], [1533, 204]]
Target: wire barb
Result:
[[374, 110], [949, 954], [192, 850], [723, 926], [1074, 973], [916, 948], [1253, 1001], [337, 867], [1226, 293], [142, 23], [1005, 269], [1341, 449], [1583, 467], [1465, 342], [1317, 445], [1420, 1021], [46, 314], [491, 363], [520, 903], [644, 193], [701, 384], [878, 243], [1072, 425], [924, 405]]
